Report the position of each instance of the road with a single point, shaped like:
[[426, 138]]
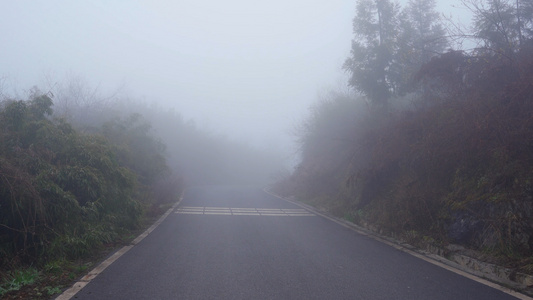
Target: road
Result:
[[241, 243]]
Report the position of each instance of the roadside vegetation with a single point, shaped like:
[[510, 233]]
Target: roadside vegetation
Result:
[[83, 176], [66, 194], [432, 144]]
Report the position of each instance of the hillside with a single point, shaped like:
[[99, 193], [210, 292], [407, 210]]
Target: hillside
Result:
[[447, 161]]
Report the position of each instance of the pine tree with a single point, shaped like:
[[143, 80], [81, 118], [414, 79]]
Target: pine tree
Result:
[[390, 46], [375, 28], [421, 37]]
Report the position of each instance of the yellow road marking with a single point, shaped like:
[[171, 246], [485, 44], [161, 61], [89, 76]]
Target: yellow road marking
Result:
[[228, 211]]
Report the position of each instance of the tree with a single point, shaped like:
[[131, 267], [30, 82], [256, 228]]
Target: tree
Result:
[[421, 37], [502, 26], [391, 45], [375, 28], [137, 147]]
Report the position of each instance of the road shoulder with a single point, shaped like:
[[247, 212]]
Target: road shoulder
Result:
[[497, 277]]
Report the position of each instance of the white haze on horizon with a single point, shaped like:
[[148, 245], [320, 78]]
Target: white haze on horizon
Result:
[[245, 69]]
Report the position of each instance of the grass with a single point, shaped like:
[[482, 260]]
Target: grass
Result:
[[49, 280], [44, 282], [15, 280]]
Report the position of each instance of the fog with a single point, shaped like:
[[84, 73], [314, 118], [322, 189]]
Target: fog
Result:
[[248, 70]]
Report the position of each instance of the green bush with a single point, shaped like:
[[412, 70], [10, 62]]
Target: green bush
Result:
[[62, 193]]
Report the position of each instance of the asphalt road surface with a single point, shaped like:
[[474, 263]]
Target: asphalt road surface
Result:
[[241, 243]]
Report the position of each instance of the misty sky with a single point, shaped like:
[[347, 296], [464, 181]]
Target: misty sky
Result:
[[248, 69]]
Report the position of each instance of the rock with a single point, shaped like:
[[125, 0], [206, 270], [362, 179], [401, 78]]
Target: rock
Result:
[[463, 228]]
